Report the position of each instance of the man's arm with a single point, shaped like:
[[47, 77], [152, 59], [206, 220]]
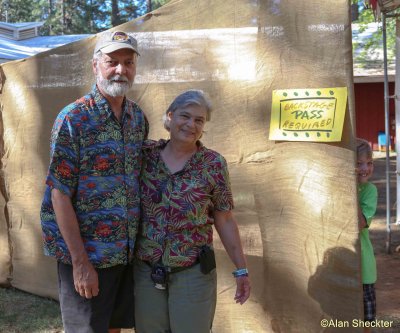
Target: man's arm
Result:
[[85, 276], [228, 231]]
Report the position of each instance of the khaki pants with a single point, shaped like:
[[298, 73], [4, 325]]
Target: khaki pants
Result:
[[187, 305]]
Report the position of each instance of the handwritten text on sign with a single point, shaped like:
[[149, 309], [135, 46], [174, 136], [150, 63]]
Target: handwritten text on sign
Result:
[[308, 114]]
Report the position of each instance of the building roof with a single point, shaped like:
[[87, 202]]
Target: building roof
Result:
[[387, 6], [21, 25], [19, 49], [19, 31]]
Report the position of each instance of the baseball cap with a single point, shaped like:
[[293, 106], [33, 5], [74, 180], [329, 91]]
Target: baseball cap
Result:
[[113, 41]]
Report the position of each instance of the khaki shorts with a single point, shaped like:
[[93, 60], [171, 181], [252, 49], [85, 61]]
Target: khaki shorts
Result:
[[187, 305]]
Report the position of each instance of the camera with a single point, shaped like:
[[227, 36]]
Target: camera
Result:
[[159, 277]]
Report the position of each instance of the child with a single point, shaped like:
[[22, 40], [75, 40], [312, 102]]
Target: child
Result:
[[367, 196]]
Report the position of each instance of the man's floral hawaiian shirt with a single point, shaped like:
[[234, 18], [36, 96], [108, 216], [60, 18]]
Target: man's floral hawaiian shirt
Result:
[[177, 208], [96, 161]]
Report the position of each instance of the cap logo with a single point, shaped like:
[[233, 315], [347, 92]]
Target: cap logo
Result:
[[111, 42], [120, 36]]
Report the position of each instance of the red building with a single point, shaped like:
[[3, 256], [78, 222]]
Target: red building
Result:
[[370, 109]]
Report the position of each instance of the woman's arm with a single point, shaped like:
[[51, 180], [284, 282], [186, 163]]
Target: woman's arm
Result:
[[228, 231]]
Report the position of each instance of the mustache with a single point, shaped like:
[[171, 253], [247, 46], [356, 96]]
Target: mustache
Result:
[[119, 78]]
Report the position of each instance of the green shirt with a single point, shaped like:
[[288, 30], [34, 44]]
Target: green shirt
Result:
[[368, 196]]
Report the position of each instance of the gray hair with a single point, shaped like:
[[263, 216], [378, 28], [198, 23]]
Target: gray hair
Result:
[[97, 55], [188, 97], [363, 148]]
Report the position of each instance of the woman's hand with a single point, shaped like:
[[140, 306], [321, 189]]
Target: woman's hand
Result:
[[242, 289], [228, 231]]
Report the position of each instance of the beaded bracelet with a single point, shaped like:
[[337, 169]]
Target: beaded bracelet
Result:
[[240, 272]]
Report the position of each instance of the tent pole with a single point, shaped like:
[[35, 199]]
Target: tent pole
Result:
[[387, 132], [397, 117]]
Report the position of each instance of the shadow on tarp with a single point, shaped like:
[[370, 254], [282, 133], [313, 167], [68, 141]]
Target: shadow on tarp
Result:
[[334, 276]]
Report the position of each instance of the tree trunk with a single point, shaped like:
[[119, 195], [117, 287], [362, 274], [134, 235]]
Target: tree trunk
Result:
[[62, 17], [91, 16], [114, 13]]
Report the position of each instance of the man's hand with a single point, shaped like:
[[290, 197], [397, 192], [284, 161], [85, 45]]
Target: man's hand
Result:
[[86, 280], [242, 289], [85, 276]]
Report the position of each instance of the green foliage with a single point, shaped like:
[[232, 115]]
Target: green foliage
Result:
[[75, 16], [22, 10], [373, 46], [158, 3], [124, 10]]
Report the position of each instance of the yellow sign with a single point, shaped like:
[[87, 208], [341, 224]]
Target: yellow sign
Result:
[[308, 114]]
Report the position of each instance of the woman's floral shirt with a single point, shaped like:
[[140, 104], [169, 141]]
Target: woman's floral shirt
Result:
[[96, 161], [177, 208]]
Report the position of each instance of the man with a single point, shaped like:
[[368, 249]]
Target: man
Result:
[[90, 210]]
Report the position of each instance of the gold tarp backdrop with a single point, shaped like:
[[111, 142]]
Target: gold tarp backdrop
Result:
[[295, 201]]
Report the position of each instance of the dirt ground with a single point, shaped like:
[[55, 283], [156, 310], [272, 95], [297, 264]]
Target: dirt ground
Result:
[[387, 288]]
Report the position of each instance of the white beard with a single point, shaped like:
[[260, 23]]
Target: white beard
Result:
[[112, 88]]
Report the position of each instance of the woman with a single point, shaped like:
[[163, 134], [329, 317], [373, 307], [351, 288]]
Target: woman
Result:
[[185, 189]]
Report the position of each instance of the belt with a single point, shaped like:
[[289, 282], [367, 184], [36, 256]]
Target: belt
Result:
[[172, 270]]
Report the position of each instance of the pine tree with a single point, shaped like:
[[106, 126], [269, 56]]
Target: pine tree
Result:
[[63, 17]]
